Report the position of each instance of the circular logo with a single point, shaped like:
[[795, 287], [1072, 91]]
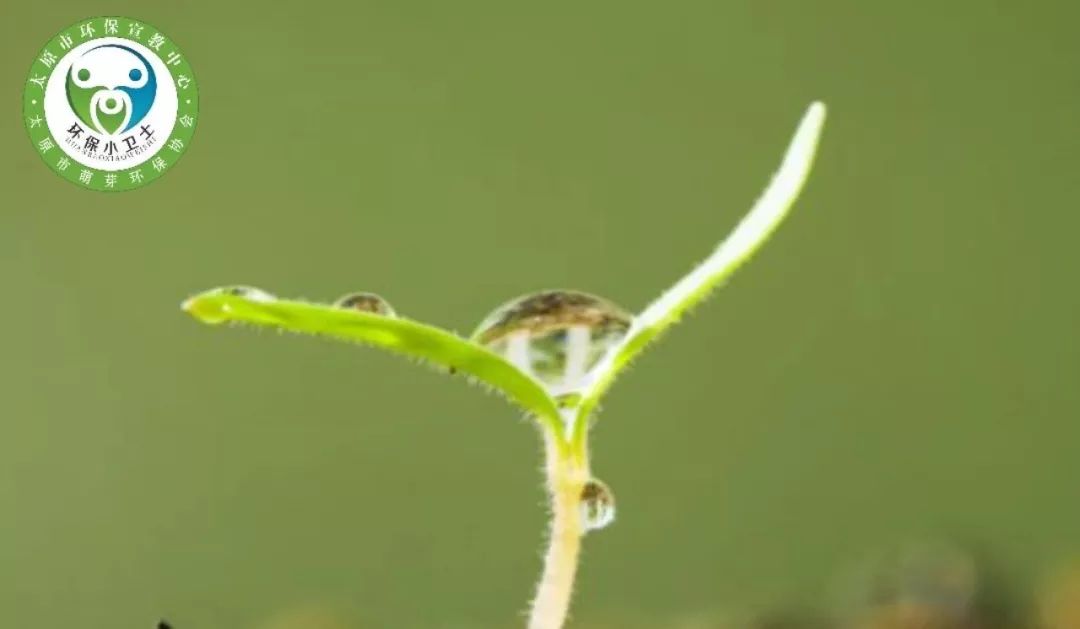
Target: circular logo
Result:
[[111, 103]]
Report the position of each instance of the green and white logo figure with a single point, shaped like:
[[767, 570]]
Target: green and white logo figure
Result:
[[110, 103]]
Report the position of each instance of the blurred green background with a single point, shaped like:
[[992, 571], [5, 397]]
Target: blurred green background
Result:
[[900, 363]]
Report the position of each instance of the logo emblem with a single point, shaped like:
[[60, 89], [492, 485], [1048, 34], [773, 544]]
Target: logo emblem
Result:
[[111, 103]]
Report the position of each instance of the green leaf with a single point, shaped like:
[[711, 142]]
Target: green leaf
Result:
[[752, 232], [396, 334]]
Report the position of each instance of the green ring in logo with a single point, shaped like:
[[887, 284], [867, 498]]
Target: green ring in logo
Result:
[[110, 103]]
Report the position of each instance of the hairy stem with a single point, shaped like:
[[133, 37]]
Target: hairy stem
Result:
[[566, 476]]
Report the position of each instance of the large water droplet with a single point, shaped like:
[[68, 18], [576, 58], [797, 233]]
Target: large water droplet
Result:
[[597, 505], [366, 302], [557, 336]]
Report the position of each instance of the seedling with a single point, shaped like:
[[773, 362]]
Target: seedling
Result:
[[554, 354]]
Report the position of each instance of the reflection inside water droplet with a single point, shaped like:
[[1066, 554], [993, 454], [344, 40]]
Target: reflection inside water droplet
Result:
[[597, 505], [557, 336], [366, 302]]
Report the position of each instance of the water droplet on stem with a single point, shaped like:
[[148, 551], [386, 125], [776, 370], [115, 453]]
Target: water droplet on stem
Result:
[[597, 505]]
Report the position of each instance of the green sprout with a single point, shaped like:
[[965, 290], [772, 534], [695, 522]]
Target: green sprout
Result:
[[555, 354]]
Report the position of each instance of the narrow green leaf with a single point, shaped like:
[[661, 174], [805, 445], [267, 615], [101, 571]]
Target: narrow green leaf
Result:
[[737, 248], [396, 334]]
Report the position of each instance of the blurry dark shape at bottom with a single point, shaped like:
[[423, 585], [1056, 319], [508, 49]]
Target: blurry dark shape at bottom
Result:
[[926, 586], [790, 620], [315, 616]]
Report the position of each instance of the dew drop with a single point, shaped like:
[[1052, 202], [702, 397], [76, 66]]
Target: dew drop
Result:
[[557, 336], [366, 302], [211, 307], [249, 293], [597, 505]]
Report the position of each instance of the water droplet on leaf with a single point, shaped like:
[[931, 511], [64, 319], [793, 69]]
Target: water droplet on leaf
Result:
[[366, 302], [557, 336], [249, 293], [212, 308], [597, 505]]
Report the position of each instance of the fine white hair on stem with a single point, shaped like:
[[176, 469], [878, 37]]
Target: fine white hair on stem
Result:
[[566, 477], [747, 237]]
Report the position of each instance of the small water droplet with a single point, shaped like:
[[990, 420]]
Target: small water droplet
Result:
[[366, 302], [597, 505], [211, 307], [557, 336], [249, 293]]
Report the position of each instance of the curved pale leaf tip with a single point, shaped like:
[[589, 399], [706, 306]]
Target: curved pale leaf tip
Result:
[[367, 319], [747, 237]]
